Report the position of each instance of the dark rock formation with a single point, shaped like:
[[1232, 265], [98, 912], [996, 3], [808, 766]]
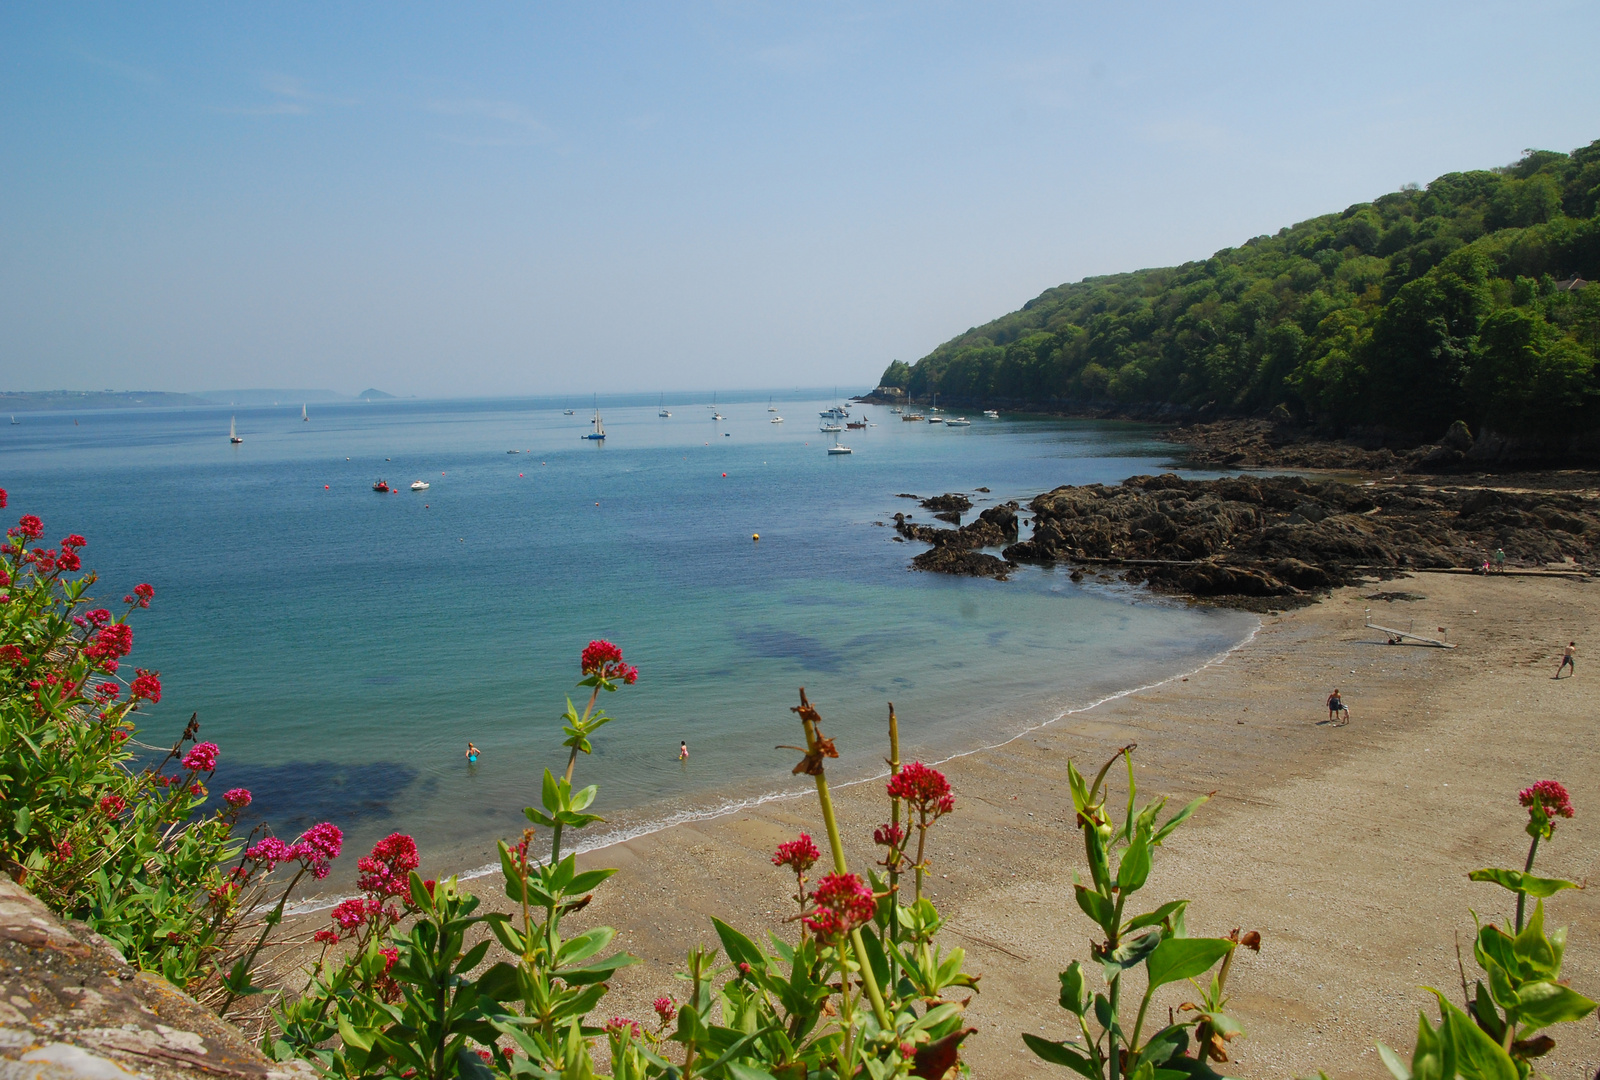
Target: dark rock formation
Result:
[[949, 560], [949, 502], [1282, 536]]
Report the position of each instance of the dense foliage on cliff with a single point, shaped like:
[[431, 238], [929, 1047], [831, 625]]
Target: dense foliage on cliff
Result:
[[1416, 309]]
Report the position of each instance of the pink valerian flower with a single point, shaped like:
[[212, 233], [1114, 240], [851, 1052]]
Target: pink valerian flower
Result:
[[107, 691], [355, 912], [29, 527], [271, 851], [144, 593], [68, 560], [618, 1025], [112, 806], [387, 871], [1549, 796], [238, 798], [666, 1009], [2, 498], [11, 655], [99, 616], [391, 957], [318, 846], [203, 757], [925, 789], [198, 790], [63, 851], [890, 835], [73, 541], [147, 684], [843, 902], [605, 660], [111, 642], [326, 937], [798, 855]]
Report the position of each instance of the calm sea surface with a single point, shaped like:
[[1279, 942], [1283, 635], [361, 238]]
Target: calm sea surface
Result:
[[342, 646]]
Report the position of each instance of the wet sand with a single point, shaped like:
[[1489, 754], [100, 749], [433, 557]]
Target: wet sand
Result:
[[1347, 848]]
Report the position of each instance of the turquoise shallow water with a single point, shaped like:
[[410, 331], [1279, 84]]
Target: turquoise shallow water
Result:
[[342, 645]]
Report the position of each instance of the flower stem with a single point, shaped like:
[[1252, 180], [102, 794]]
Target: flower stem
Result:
[[1527, 868]]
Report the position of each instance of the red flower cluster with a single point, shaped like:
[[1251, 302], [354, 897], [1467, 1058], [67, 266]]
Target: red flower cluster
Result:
[[107, 691], [238, 798], [387, 871], [605, 660], [798, 855], [141, 596], [112, 805], [326, 937], [110, 643], [617, 1025], [665, 1009], [317, 846], [29, 527], [844, 902], [99, 616], [889, 835], [12, 655], [147, 685], [68, 560], [925, 789], [203, 758], [73, 542], [2, 498], [354, 912], [1549, 796]]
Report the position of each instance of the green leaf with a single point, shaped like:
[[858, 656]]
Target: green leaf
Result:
[[1178, 819], [738, 1071], [550, 792], [1519, 882], [1097, 907], [1059, 1053], [1533, 949], [1391, 1060], [1176, 959], [1134, 869], [874, 956], [23, 821], [469, 1066], [1543, 1003], [584, 945], [1478, 1057], [1434, 1058], [1072, 996], [1157, 917], [740, 949], [1131, 953]]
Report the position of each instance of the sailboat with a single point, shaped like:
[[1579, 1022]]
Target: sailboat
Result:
[[663, 407], [13, 418], [836, 448], [567, 411], [770, 406], [233, 430], [599, 432], [715, 415], [303, 415]]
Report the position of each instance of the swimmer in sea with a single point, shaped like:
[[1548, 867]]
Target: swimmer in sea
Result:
[[683, 751], [472, 754]]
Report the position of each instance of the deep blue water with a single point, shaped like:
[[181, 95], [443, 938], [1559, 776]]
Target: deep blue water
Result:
[[342, 646]]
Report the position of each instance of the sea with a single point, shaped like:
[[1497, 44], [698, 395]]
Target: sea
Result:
[[342, 646]]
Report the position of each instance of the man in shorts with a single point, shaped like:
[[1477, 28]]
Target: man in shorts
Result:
[[1567, 661]]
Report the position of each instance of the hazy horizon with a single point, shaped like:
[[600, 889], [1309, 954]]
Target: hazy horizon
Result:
[[519, 202]]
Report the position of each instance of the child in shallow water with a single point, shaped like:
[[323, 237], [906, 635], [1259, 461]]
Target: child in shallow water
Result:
[[472, 754], [683, 751]]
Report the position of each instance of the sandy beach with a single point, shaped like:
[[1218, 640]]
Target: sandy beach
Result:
[[1347, 848]]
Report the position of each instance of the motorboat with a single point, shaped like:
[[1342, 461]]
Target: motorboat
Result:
[[776, 420], [513, 451], [837, 449], [419, 485], [855, 425], [992, 414], [233, 431], [830, 428], [960, 421], [935, 419], [911, 417], [382, 487]]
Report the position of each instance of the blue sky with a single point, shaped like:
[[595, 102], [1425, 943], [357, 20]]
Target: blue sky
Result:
[[520, 198]]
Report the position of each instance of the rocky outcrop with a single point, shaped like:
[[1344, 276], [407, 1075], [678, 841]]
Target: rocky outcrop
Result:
[[955, 551], [72, 1009], [1288, 537]]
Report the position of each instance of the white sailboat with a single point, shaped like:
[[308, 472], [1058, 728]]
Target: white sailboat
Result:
[[715, 415], [770, 406], [303, 415], [836, 448], [233, 430], [663, 407], [599, 432]]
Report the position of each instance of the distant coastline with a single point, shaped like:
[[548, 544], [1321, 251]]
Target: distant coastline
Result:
[[16, 401]]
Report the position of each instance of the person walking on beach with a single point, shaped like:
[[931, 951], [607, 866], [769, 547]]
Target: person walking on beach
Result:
[[683, 751], [472, 754], [1567, 661], [1337, 712], [1499, 560]]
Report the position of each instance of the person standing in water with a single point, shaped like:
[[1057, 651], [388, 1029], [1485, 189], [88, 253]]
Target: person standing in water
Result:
[[1567, 661], [472, 754], [683, 751]]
